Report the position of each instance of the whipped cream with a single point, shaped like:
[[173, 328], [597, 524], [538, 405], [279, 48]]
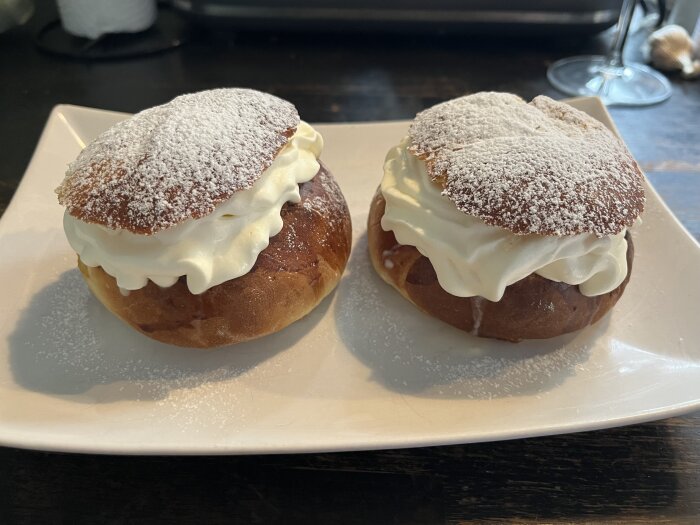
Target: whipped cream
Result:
[[214, 248], [472, 258]]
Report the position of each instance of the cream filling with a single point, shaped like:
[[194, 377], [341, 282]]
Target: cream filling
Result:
[[472, 258], [212, 249]]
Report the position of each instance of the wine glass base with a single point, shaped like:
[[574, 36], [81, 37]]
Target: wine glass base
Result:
[[628, 85]]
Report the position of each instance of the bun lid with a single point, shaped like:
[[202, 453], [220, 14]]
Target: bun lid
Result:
[[541, 167], [177, 161]]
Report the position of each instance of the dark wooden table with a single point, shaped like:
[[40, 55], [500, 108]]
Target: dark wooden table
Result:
[[643, 473]]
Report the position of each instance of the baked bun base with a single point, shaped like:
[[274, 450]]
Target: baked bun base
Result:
[[302, 264], [532, 308]]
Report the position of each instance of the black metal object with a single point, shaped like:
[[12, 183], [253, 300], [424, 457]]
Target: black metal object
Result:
[[414, 16]]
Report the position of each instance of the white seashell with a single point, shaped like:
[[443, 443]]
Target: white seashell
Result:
[[672, 49]]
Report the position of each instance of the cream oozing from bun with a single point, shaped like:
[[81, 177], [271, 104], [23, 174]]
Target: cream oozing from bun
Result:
[[472, 258], [208, 250], [190, 188], [492, 189]]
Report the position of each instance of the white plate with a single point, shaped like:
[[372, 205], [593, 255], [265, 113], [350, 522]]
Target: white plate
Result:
[[365, 370]]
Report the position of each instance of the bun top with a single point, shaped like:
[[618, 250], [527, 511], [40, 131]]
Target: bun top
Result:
[[541, 167], [177, 161]]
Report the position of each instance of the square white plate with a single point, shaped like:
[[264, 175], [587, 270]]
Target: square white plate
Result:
[[365, 370]]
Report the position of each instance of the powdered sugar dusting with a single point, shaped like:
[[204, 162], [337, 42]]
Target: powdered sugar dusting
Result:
[[71, 343], [413, 353], [331, 202], [541, 167], [177, 161], [330, 205]]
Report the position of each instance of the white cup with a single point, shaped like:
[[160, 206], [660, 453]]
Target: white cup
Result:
[[94, 18]]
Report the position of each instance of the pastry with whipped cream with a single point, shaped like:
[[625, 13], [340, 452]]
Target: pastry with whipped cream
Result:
[[507, 219], [208, 220]]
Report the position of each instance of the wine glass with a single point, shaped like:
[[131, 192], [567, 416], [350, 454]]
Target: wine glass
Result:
[[609, 77]]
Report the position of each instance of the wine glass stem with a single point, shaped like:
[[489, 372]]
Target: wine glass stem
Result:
[[623, 27]]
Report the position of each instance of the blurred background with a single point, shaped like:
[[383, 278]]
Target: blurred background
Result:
[[337, 61]]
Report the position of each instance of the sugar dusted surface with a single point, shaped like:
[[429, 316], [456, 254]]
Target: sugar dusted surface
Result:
[[330, 205], [541, 167], [397, 383], [412, 353], [177, 161]]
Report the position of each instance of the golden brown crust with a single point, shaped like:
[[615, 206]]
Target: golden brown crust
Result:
[[177, 161], [301, 265], [79, 190], [541, 167], [532, 308]]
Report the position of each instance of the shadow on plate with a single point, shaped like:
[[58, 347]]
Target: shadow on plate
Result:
[[412, 353], [67, 344]]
